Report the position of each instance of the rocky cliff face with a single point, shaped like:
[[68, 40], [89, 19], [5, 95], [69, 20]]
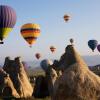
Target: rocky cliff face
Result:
[[6, 85], [17, 73], [44, 84], [77, 82]]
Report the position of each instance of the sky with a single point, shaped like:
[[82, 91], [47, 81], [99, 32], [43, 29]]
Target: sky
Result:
[[84, 24]]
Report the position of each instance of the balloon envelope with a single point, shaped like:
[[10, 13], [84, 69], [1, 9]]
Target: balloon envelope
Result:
[[30, 32], [92, 44], [38, 55], [45, 63], [52, 48], [66, 17], [98, 47], [7, 20], [71, 41]]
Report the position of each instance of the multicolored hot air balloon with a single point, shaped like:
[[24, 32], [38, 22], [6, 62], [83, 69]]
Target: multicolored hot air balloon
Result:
[[38, 55], [71, 41], [52, 49], [66, 17], [7, 21], [30, 32], [92, 44], [98, 47]]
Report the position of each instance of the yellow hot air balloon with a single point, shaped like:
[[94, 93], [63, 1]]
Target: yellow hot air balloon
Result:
[[30, 32]]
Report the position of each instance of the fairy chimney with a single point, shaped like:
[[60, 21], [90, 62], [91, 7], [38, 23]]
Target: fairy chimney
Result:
[[77, 81], [17, 73], [50, 74], [6, 86]]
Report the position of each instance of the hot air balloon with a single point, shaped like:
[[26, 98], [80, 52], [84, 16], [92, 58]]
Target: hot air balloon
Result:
[[30, 32], [71, 41], [38, 55], [92, 44], [7, 21], [98, 47], [66, 17], [52, 48], [45, 63]]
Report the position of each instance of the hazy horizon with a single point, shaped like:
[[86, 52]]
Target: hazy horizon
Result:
[[90, 61]]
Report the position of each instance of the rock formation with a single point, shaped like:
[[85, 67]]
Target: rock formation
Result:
[[77, 81], [44, 84], [41, 87], [16, 71], [51, 77], [50, 74], [6, 86]]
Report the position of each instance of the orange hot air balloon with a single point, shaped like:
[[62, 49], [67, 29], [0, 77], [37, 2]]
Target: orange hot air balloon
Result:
[[66, 17], [30, 32], [52, 49], [38, 55]]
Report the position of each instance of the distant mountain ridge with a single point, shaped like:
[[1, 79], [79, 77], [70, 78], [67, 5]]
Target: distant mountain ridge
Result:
[[92, 60]]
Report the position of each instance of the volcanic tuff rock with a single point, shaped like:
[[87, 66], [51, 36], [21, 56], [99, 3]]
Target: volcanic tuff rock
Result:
[[17, 73], [6, 85], [77, 82]]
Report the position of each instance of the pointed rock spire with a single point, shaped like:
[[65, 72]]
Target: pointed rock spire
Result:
[[77, 81]]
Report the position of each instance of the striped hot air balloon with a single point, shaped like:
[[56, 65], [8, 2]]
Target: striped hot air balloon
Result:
[[66, 17], [30, 32], [52, 49], [7, 21]]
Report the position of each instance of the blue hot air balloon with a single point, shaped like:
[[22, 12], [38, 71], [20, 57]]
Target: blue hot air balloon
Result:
[[92, 44], [45, 63]]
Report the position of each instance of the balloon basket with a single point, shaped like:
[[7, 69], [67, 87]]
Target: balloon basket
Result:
[[1, 42]]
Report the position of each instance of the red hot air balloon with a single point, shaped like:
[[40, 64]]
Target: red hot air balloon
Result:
[[66, 17], [38, 55], [98, 47], [52, 48], [7, 21]]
